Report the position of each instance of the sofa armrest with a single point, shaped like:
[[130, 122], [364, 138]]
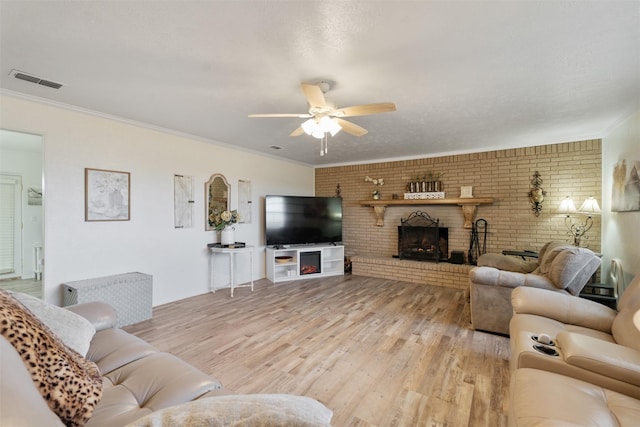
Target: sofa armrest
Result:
[[564, 308], [602, 357], [100, 314], [507, 279]]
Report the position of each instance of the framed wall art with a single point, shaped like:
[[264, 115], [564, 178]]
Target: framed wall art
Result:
[[107, 195], [625, 195], [183, 201], [244, 201]]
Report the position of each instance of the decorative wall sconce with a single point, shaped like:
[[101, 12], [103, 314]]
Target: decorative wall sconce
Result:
[[536, 194], [589, 207]]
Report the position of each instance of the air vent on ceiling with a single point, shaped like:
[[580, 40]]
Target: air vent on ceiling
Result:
[[33, 79]]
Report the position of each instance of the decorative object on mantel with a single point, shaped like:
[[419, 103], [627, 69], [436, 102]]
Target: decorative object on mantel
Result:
[[338, 191], [466, 192], [422, 196], [589, 207], [536, 194], [379, 182], [469, 206], [430, 182]]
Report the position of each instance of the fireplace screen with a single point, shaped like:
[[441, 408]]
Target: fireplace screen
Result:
[[421, 238]]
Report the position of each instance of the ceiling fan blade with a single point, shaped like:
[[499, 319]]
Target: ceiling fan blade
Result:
[[314, 95], [351, 128], [298, 115], [365, 110], [299, 131]]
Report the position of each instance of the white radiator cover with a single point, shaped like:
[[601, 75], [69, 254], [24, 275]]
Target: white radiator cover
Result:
[[130, 294]]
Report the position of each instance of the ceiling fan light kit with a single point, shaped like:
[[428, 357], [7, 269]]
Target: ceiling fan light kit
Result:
[[324, 118]]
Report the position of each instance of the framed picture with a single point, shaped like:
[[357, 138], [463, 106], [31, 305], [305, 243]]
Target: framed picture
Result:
[[106, 195], [625, 194], [183, 201]]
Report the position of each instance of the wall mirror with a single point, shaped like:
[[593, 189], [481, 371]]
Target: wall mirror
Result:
[[217, 192]]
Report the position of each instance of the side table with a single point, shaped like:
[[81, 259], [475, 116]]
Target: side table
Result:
[[600, 293], [232, 253]]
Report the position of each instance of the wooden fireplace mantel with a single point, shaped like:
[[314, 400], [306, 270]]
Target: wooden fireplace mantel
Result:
[[469, 206]]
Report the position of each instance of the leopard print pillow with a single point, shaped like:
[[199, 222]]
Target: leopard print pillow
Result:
[[71, 384]]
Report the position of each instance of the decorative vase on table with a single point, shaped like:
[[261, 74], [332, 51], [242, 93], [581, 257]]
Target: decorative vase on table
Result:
[[376, 194], [227, 236]]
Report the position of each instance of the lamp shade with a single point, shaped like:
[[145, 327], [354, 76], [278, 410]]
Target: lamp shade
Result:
[[328, 124], [567, 206], [590, 206], [309, 126]]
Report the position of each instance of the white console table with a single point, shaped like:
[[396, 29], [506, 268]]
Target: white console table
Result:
[[232, 253]]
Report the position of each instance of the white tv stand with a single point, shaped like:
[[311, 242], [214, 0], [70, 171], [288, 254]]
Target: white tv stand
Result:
[[331, 262]]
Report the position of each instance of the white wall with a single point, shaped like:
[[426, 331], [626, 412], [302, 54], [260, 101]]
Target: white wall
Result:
[[149, 243], [620, 230]]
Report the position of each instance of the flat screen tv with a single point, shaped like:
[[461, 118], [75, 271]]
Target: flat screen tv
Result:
[[298, 220]]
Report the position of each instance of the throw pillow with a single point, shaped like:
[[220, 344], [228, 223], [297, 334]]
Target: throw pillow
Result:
[[70, 384], [74, 330], [249, 410]]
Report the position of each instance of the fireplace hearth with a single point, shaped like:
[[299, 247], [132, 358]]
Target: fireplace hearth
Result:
[[421, 238]]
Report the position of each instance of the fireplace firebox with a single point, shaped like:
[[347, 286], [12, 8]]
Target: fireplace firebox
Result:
[[421, 238], [310, 262]]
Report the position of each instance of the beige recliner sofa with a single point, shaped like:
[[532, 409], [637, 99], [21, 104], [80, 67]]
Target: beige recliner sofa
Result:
[[141, 386], [593, 375], [560, 267]]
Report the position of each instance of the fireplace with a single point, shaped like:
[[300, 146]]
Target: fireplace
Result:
[[310, 262], [421, 238]]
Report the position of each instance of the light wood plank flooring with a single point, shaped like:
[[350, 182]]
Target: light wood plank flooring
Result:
[[377, 352], [26, 286]]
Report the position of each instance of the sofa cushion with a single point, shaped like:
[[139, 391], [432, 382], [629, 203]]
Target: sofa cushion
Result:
[[71, 385], [114, 348], [539, 398], [74, 330], [546, 256], [242, 410], [147, 384], [572, 268]]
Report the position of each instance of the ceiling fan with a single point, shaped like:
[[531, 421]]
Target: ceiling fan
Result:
[[324, 117]]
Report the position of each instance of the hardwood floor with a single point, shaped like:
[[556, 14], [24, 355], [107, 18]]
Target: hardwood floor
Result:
[[377, 352], [26, 286]]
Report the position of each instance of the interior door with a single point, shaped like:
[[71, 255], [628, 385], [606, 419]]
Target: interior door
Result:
[[10, 226], [22, 235]]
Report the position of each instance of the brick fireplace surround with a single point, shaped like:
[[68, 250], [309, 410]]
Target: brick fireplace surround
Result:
[[567, 169]]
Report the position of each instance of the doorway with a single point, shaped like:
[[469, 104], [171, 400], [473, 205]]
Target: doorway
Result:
[[22, 214]]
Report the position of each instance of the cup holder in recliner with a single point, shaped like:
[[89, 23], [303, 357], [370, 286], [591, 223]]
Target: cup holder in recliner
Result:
[[548, 342], [546, 350]]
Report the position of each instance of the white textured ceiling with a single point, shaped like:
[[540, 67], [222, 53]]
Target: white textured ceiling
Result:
[[465, 76]]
